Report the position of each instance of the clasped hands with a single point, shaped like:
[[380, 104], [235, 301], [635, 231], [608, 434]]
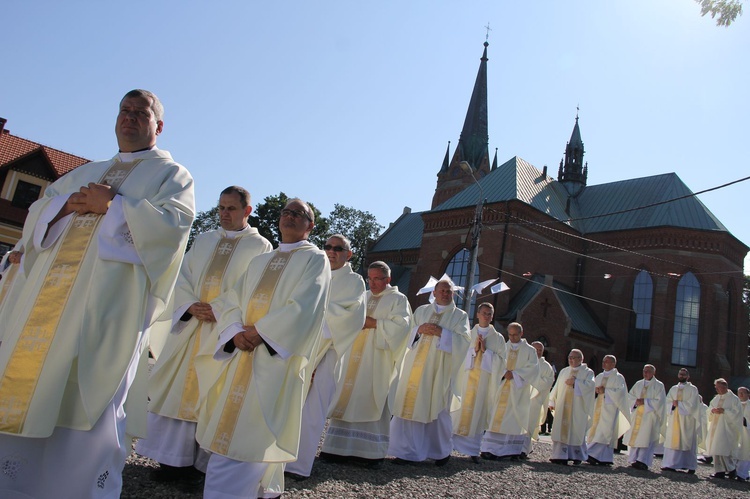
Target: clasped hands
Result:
[[430, 329], [717, 410], [600, 390], [202, 311], [93, 198], [481, 345], [248, 339], [570, 381]]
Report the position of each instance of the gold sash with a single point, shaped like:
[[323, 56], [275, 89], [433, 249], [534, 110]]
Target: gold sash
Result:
[[354, 361], [19, 381], [8, 280], [598, 409], [417, 368], [257, 308], [210, 289], [502, 403], [470, 395], [638, 416], [567, 414], [676, 437]]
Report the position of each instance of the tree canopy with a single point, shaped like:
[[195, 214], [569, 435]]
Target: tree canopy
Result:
[[725, 12]]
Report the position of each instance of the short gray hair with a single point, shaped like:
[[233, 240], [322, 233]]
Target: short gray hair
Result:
[[156, 106], [381, 266]]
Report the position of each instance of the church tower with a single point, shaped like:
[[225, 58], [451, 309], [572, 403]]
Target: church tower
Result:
[[472, 144], [573, 172]]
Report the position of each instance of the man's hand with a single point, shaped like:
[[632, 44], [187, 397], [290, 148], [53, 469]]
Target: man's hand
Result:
[[202, 311], [638, 402], [370, 323], [674, 404], [717, 410], [570, 381], [508, 375], [248, 339], [15, 257], [430, 329], [599, 390], [93, 198], [481, 345]]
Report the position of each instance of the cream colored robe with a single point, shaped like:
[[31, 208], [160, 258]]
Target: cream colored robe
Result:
[[744, 451], [345, 315], [440, 378], [582, 408], [377, 367], [11, 283], [167, 380], [614, 415], [541, 387], [268, 424], [515, 418], [651, 426], [123, 285], [723, 434], [686, 415], [472, 419]]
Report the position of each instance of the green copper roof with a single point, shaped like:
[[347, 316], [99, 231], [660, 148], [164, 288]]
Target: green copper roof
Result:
[[404, 233]]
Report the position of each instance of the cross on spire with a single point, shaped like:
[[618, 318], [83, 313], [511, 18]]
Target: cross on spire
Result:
[[487, 37]]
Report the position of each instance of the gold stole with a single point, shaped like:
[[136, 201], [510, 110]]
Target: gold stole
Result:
[[210, 289], [19, 381], [257, 308], [8, 280], [598, 409], [567, 414], [470, 396], [676, 437], [354, 360], [502, 403], [638, 416], [417, 368]]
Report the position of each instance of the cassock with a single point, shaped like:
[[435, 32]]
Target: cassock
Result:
[[743, 456], [574, 408], [540, 389], [646, 421], [611, 417], [214, 264], [72, 346], [343, 322], [427, 389], [681, 439], [471, 421], [508, 433], [723, 433], [360, 413], [252, 414], [13, 277]]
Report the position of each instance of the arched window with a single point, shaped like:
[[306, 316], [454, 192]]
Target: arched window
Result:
[[686, 314], [639, 338], [458, 270]]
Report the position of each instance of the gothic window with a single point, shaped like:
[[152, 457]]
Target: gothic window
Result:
[[686, 314], [639, 341], [458, 271]]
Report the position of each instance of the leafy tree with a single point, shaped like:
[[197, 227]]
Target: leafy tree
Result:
[[361, 227], [266, 219], [204, 221], [724, 11]]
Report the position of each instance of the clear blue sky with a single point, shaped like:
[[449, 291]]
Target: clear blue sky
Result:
[[354, 102]]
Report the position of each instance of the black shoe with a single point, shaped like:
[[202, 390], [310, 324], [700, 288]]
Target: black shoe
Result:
[[488, 456], [740, 479], [295, 476], [372, 464], [667, 468], [691, 472], [562, 462], [402, 462], [639, 466], [523, 456], [443, 461], [165, 473], [732, 474], [475, 459], [706, 459], [718, 474], [332, 458], [593, 461], [576, 462]]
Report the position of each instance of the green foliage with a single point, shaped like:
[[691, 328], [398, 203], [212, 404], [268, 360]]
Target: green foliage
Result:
[[724, 11], [266, 219], [204, 221], [361, 227]]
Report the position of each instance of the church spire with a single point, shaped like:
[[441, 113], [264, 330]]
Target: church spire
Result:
[[573, 172], [446, 159]]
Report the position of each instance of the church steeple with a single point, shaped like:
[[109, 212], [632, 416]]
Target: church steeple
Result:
[[472, 143], [573, 172]]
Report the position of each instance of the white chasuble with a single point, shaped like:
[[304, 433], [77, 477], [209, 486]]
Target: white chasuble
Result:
[[683, 419], [723, 434], [573, 405], [611, 417], [511, 399], [647, 420]]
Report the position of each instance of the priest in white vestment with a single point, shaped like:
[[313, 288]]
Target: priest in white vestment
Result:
[[508, 433], [572, 399], [682, 410], [360, 414], [743, 456], [540, 389], [647, 399], [611, 417], [13, 277], [269, 329], [102, 250], [487, 352], [216, 261], [724, 430], [427, 390], [344, 319]]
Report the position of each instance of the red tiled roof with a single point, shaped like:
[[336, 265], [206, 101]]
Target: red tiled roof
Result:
[[13, 148]]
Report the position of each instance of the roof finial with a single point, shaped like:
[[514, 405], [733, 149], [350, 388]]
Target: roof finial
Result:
[[577, 109], [487, 37]]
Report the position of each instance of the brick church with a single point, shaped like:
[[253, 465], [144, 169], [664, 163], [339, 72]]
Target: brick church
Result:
[[638, 268]]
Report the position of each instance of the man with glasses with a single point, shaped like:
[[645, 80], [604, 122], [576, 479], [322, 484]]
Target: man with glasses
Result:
[[647, 398], [360, 414], [269, 327], [572, 399], [343, 321], [215, 263], [427, 390]]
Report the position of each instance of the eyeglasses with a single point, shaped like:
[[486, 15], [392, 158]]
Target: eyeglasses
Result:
[[376, 278], [286, 212], [337, 249]]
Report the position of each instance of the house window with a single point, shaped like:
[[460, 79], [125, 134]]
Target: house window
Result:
[[686, 314], [639, 336], [458, 271], [26, 193]]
